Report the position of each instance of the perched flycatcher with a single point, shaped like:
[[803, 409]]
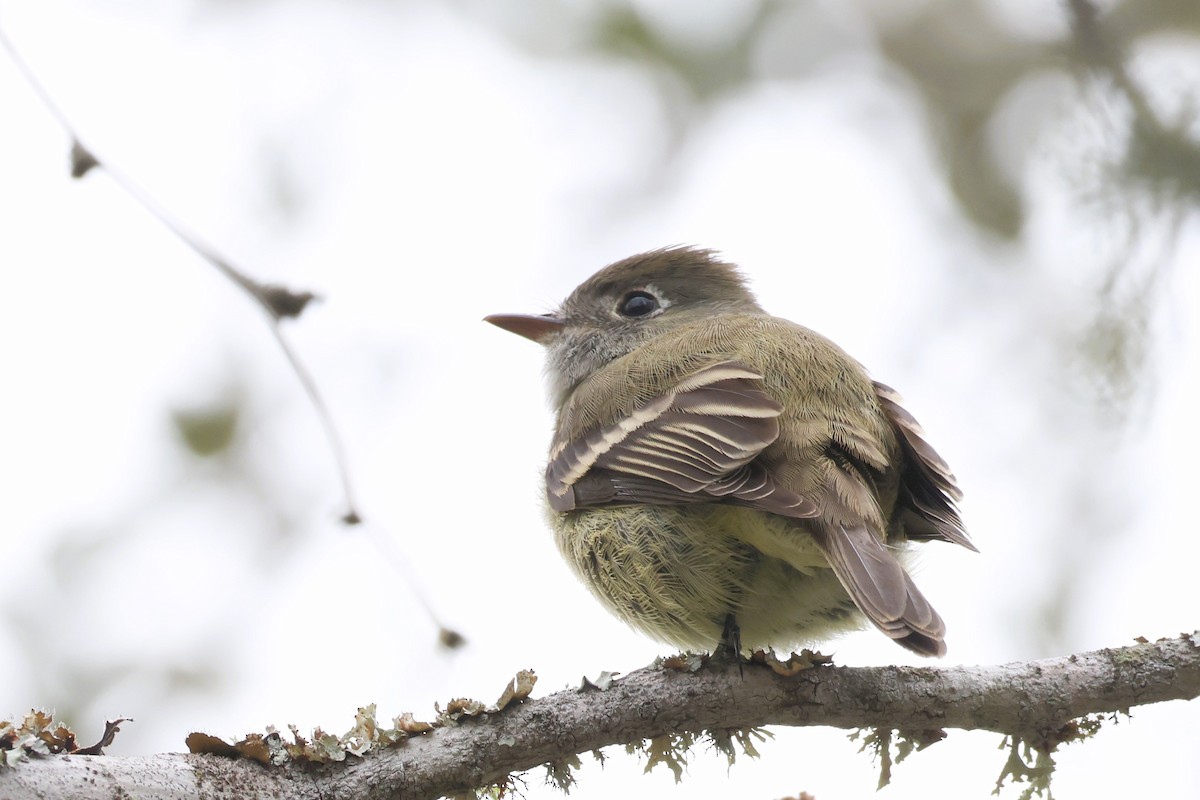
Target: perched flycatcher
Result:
[[720, 475]]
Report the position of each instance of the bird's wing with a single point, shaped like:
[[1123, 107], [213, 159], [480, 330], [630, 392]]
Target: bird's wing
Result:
[[881, 588], [695, 443], [867, 568], [928, 491]]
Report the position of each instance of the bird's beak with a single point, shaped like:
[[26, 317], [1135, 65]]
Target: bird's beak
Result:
[[539, 328]]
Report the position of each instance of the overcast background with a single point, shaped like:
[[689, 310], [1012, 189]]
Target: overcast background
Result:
[[940, 187]]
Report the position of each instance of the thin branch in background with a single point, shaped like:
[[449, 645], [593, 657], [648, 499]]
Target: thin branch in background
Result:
[[447, 637], [279, 302]]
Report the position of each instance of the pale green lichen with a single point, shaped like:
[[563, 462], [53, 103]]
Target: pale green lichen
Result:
[[39, 733], [879, 742], [1027, 764], [729, 740], [1033, 763], [366, 735], [669, 750], [560, 774]]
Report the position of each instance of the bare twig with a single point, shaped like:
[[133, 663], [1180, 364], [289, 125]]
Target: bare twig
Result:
[[278, 302]]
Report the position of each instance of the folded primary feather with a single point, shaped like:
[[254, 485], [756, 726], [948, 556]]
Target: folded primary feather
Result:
[[700, 438]]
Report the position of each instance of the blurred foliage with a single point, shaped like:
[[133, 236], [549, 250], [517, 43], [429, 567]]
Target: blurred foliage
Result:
[[961, 58], [208, 431], [707, 69], [963, 65]]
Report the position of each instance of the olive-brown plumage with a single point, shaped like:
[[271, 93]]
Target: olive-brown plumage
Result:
[[712, 463]]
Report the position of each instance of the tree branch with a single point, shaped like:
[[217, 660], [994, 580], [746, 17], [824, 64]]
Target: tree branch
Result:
[[1034, 701]]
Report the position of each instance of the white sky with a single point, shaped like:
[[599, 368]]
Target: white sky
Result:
[[442, 175]]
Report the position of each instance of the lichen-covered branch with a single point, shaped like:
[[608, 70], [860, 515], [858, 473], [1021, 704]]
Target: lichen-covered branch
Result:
[[1035, 702]]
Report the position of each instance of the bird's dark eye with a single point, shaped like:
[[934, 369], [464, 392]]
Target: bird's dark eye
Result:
[[637, 304]]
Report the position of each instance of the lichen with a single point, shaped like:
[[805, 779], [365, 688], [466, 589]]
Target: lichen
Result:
[[879, 742]]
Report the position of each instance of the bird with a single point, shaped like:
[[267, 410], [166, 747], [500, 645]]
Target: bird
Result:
[[724, 479]]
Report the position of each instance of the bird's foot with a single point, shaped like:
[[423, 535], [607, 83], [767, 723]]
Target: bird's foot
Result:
[[730, 646]]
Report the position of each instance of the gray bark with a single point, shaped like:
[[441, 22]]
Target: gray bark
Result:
[[1033, 700]]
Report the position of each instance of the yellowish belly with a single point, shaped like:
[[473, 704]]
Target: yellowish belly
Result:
[[677, 572]]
